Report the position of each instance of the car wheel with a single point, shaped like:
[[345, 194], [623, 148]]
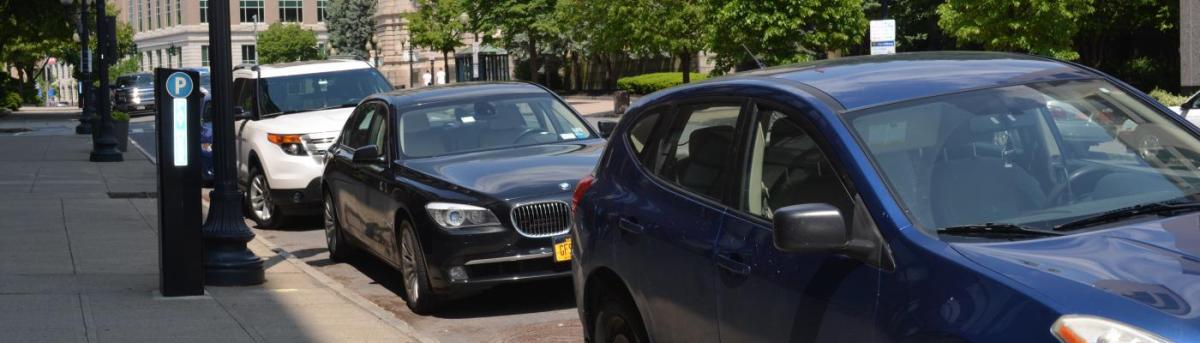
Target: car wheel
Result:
[[412, 269], [335, 239], [258, 199], [617, 321]]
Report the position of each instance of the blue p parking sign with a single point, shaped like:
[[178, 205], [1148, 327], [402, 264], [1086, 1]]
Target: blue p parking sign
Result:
[[179, 85]]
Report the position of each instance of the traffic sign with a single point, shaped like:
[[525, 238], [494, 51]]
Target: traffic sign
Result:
[[883, 37], [179, 85]]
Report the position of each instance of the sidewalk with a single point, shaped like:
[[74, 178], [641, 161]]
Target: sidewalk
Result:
[[79, 263]]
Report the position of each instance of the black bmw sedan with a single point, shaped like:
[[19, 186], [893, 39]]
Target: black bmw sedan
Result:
[[459, 187]]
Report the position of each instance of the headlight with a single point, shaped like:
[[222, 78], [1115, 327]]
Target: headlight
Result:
[[291, 144], [453, 216], [135, 99], [207, 147], [1074, 328]]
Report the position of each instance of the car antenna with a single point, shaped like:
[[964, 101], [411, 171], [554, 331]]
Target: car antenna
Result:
[[756, 61]]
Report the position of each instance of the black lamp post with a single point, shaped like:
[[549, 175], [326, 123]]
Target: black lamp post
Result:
[[227, 261], [104, 145], [85, 83]]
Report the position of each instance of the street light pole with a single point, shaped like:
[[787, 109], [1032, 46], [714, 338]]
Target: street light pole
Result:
[[85, 71], [104, 145], [227, 261]]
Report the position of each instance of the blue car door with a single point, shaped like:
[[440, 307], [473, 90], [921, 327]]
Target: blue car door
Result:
[[672, 217], [768, 295]]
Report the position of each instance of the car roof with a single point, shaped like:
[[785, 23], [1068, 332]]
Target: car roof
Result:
[[455, 91], [866, 81], [308, 67]]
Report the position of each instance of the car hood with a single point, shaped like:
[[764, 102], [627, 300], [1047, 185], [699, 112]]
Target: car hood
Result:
[[307, 122], [513, 174], [1154, 266]]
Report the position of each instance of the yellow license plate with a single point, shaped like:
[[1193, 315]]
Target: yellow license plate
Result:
[[562, 251]]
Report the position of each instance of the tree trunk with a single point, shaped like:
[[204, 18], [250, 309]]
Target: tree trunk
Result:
[[533, 59], [446, 65], [685, 65], [577, 83]]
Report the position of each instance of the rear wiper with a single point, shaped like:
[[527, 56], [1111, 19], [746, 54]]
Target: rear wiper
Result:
[[1161, 208], [995, 230]]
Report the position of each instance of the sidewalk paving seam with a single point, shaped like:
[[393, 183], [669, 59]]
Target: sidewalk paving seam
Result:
[[70, 250], [89, 334]]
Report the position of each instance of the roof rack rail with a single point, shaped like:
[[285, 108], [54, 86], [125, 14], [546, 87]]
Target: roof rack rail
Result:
[[346, 57], [250, 66]]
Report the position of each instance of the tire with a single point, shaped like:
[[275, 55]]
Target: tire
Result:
[[418, 294], [340, 249], [617, 321], [258, 201]]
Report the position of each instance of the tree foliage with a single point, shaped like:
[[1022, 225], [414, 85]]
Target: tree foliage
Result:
[[523, 24], [351, 24], [438, 25], [1043, 27], [287, 43], [782, 31]]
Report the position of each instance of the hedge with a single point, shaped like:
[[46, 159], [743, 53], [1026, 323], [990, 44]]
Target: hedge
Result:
[[11, 101], [650, 83], [1166, 98]]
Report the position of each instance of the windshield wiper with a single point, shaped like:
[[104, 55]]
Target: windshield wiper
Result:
[[1160, 208], [995, 230]]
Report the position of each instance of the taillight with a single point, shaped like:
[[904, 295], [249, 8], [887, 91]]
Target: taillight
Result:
[[581, 188]]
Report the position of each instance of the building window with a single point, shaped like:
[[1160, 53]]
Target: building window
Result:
[[158, 64], [249, 55], [322, 5], [179, 12], [291, 10], [203, 55], [131, 13], [252, 11], [158, 13], [203, 11], [140, 14]]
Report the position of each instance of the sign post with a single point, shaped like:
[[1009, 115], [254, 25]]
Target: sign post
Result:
[[180, 248], [883, 37]]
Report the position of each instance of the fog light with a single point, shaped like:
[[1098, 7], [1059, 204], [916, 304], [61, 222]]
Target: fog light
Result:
[[458, 274]]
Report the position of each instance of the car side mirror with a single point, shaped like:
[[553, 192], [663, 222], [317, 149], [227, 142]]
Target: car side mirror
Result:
[[810, 228], [366, 155], [606, 128], [1190, 104]]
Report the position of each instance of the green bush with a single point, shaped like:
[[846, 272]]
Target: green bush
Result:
[[120, 115], [1167, 98], [11, 101], [650, 83]]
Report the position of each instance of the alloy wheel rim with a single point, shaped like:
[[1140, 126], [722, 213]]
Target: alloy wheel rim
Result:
[[408, 264], [330, 226], [260, 202]]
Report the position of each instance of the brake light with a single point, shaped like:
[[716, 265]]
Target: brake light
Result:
[[581, 188]]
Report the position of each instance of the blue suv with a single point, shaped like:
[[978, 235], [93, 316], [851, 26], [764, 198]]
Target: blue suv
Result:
[[933, 197]]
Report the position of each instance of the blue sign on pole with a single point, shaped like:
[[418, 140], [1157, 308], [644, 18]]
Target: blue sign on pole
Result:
[[179, 85]]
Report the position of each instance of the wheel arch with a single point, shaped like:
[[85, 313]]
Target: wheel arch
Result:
[[601, 282]]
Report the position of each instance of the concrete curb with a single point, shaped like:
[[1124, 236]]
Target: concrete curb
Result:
[[325, 280], [135, 144], [378, 312]]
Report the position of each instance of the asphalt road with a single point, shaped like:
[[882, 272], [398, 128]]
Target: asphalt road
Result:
[[526, 312]]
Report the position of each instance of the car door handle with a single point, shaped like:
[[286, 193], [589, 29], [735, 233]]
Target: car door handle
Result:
[[630, 226], [733, 265]]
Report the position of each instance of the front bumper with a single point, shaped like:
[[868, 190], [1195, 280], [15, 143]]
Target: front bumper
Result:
[[305, 200], [480, 258], [139, 109]]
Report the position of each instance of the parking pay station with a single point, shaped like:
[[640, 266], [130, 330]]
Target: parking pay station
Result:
[[179, 99]]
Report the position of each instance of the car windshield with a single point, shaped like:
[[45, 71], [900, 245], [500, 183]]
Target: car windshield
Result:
[[308, 92], [484, 124], [1036, 155], [136, 80]]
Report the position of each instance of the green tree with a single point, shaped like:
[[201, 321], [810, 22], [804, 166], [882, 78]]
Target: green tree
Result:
[[1128, 39], [1043, 27], [782, 31], [438, 25], [351, 24], [676, 27], [287, 43], [602, 31], [30, 31], [522, 23]]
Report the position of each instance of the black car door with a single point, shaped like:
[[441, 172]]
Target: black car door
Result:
[[377, 184], [768, 295], [347, 177]]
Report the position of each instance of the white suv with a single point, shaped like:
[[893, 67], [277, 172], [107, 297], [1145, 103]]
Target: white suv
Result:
[[295, 112]]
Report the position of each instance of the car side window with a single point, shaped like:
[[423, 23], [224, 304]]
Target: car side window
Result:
[[639, 134], [378, 130], [696, 153], [359, 132], [787, 167]]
